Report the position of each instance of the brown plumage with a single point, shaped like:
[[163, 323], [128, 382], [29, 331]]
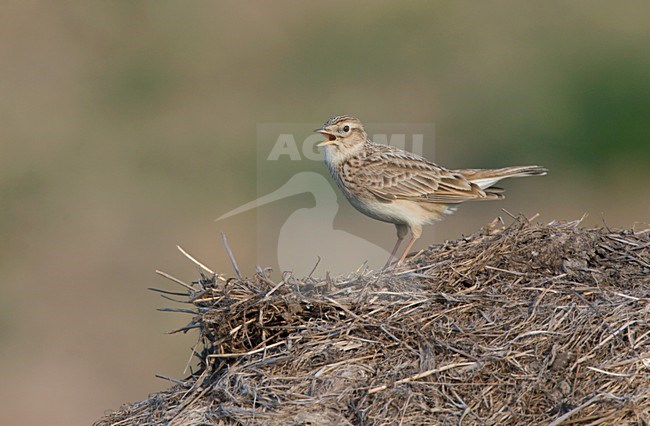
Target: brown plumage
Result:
[[399, 187]]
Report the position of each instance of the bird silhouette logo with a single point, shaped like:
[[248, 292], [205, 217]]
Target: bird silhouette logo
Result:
[[308, 235]]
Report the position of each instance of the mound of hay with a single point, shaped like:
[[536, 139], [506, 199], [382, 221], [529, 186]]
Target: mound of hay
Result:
[[532, 324]]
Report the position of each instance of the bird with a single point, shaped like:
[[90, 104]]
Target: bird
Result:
[[392, 185]]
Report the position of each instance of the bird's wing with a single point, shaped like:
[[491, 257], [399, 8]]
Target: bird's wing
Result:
[[393, 174]]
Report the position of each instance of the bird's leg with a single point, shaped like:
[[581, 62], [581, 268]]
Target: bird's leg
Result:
[[416, 231], [392, 254], [402, 230]]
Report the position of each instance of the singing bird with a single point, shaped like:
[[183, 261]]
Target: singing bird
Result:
[[402, 188]]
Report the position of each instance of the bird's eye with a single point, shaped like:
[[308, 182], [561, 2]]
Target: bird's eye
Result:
[[346, 128]]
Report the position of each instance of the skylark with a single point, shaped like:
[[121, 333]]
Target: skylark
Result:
[[399, 187]]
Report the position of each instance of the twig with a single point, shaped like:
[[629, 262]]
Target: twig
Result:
[[232, 258], [236, 329], [176, 280], [173, 293], [609, 373], [268, 295], [184, 328], [314, 268], [175, 300], [510, 214], [519, 274], [346, 310], [178, 382], [194, 260], [180, 311], [595, 398], [423, 374], [326, 367], [234, 355], [187, 366]]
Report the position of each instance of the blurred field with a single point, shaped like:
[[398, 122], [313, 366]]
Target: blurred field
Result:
[[127, 127]]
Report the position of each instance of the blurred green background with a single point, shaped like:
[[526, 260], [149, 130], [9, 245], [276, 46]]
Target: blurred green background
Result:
[[128, 127]]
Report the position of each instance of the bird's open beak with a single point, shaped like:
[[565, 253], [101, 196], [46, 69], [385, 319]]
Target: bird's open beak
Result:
[[331, 138]]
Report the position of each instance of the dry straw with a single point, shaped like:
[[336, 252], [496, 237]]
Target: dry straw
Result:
[[531, 324]]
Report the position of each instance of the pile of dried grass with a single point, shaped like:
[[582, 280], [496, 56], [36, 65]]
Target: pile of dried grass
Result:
[[532, 324]]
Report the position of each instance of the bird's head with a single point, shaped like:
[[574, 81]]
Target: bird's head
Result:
[[344, 135]]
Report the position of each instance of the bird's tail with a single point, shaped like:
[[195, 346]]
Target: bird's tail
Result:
[[485, 178]]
